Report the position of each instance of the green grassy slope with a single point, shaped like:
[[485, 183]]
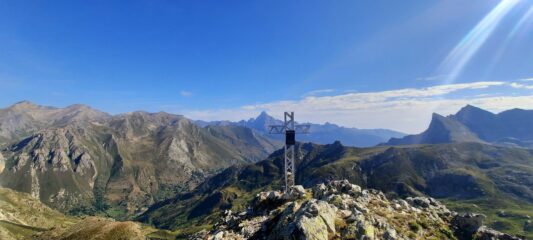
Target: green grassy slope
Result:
[[21, 215], [462, 174], [24, 217]]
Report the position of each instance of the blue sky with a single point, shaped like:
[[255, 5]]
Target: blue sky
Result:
[[327, 60]]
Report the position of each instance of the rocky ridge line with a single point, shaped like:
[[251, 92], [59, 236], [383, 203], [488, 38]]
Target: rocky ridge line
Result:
[[341, 210]]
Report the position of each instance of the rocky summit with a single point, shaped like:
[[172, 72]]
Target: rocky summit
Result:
[[341, 210]]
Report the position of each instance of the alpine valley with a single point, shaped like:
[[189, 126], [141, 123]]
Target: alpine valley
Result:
[[79, 173]]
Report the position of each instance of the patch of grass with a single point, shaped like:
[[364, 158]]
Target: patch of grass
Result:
[[116, 212], [513, 223], [414, 226], [423, 224], [447, 232], [19, 231], [184, 233], [340, 224]]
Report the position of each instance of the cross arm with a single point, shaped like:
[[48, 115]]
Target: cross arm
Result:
[[280, 129]]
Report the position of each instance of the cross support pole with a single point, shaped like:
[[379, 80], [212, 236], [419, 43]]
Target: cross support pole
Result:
[[290, 129]]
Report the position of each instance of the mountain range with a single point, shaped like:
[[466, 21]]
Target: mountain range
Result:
[[166, 170], [318, 133], [472, 124], [80, 160]]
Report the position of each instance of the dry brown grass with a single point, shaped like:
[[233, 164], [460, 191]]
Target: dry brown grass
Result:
[[94, 228]]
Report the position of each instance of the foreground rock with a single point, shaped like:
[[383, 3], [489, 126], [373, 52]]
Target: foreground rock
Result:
[[341, 210]]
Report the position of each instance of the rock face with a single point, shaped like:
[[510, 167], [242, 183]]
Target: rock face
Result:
[[341, 210], [79, 160], [468, 224]]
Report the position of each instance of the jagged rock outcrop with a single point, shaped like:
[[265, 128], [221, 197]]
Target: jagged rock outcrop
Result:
[[341, 210]]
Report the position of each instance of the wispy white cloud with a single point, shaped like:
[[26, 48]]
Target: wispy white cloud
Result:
[[318, 92], [185, 93], [408, 110], [439, 77], [526, 79], [521, 85]]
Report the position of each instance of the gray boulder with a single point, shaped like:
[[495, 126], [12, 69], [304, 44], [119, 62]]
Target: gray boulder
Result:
[[485, 233], [315, 220], [468, 224]]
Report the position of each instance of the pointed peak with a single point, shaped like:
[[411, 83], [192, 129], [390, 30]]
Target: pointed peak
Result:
[[24, 105], [470, 110], [263, 114], [437, 116], [437, 119], [262, 117], [469, 107]]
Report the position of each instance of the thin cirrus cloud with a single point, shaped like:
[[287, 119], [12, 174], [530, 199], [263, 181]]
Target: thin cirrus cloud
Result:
[[185, 93], [521, 85], [408, 110], [319, 92]]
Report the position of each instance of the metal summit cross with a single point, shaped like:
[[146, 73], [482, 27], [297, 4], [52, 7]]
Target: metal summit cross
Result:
[[289, 128]]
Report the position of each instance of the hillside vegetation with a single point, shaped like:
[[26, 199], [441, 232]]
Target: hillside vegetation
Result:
[[24, 217], [86, 162], [462, 174]]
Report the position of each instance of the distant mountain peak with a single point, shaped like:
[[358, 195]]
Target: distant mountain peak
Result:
[[24, 104], [79, 106], [263, 116], [470, 110], [473, 124], [469, 107], [437, 116], [262, 121]]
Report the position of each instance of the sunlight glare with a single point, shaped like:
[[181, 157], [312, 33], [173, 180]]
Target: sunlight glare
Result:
[[455, 62]]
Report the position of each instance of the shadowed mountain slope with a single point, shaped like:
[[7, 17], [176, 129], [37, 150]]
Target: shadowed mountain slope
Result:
[[472, 124], [440, 130], [495, 178]]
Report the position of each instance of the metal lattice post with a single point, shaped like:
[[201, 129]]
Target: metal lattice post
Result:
[[289, 167], [289, 129]]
